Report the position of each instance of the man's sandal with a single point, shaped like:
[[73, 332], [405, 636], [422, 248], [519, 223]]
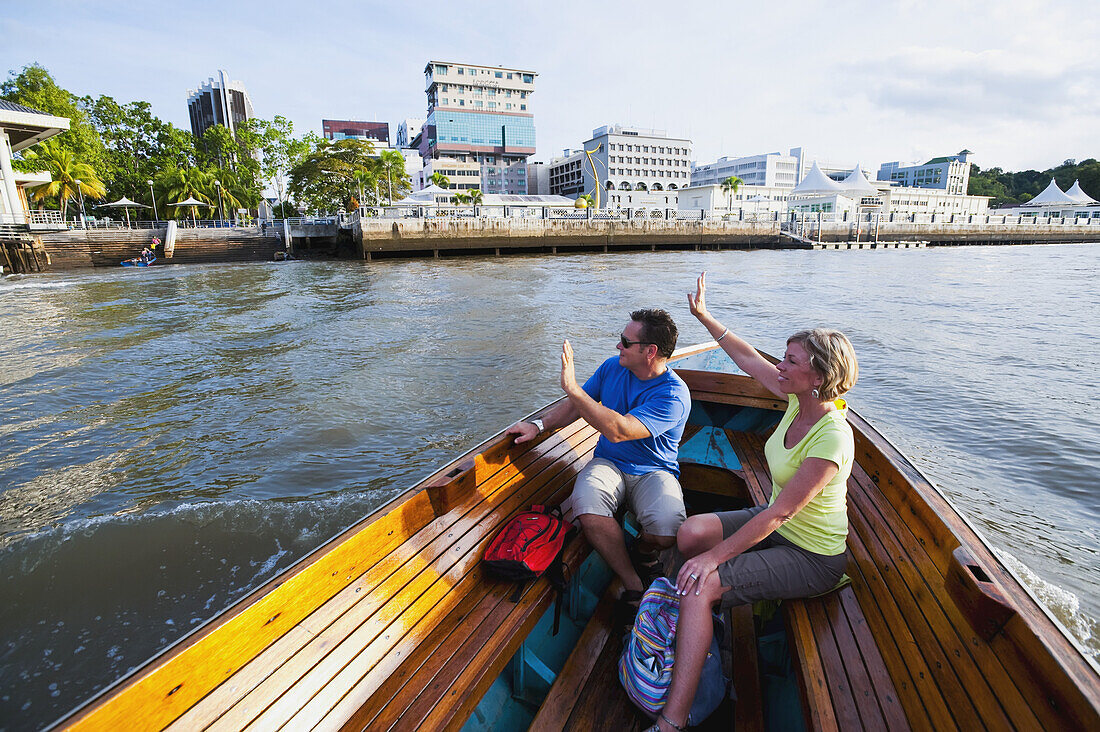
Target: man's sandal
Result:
[[626, 609]]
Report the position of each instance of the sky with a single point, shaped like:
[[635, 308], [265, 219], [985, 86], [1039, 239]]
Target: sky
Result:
[[1017, 82]]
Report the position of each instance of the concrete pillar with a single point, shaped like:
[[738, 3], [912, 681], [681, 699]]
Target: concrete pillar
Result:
[[12, 205]]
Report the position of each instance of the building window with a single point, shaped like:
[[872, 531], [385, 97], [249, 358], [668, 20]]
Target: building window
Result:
[[528, 79], [523, 106], [460, 71], [499, 74]]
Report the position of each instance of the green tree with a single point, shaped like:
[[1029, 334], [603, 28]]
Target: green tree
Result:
[[179, 184], [279, 150], [730, 187], [65, 170], [438, 179], [139, 145], [461, 198], [324, 179], [34, 87], [476, 196]]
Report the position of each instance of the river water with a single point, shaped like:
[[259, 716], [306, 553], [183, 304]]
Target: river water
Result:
[[171, 438]]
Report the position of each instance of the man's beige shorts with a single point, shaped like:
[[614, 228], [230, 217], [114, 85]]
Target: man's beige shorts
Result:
[[655, 498]]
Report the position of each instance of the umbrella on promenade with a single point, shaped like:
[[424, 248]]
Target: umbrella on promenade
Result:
[[125, 204], [192, 202]]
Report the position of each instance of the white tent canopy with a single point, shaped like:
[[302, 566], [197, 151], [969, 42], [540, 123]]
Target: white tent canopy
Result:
[[816, 182], [1052, 195], [125, 202], [857, 183], [1079, 195]]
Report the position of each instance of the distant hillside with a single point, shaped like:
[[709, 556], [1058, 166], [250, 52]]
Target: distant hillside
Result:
[[1009, 188]]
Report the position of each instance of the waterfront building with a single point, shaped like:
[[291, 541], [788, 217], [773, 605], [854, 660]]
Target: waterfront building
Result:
[[463, 174], [770, 170], [408, 130], [819, 193], [637, 167], [346, 129], [219, 101], [21, 127], [483, 115], [566, 174], [950, 173]]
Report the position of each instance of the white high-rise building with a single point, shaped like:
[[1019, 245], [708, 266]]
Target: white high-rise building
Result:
[[407, 130], [770, 170]]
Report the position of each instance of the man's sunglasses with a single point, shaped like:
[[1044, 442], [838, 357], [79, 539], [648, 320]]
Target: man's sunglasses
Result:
[[628, 344]]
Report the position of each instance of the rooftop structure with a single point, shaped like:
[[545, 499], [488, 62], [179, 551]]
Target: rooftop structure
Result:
[[219, 101], [21, 127], [407, 130], [481, 114], [341, 129]]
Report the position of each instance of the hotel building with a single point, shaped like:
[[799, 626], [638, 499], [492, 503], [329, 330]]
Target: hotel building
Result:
[[481, 115], [218, 102], [567, 174], [950, 173]]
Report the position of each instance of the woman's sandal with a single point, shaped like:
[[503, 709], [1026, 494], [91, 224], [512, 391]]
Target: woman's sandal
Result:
[[657, 726]]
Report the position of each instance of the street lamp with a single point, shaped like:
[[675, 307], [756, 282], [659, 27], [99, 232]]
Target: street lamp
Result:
[[79, 190], [221, 211], [153, 198]]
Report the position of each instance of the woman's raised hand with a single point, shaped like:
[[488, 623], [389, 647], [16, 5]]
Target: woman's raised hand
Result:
[[697, 302]]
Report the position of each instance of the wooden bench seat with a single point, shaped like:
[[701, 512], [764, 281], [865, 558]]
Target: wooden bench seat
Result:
[[924, 670], [325, 640]]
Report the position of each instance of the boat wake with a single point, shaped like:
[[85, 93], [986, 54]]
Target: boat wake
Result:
[[1063, 604]]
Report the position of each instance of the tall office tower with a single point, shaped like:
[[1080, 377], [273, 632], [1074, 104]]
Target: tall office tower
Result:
[[481, 114], [218, 102], [346, 129]]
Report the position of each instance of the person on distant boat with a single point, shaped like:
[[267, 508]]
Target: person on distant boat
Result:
[[146, 255], [793, 547], [640, 408]]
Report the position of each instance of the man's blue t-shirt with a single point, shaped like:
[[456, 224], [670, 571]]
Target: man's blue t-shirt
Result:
[[662, 404]]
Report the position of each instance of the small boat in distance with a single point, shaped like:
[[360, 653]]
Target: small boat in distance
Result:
[[393, 625], [139, 262]]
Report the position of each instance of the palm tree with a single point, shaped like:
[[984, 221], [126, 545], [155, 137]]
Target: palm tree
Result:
[[460, 197], [65, 171], [363, 178], [729, 187], [392, 164], [475, 197], [440, 180], [182, 183]]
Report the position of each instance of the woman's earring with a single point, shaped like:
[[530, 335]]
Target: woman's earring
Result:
[[816, 393]]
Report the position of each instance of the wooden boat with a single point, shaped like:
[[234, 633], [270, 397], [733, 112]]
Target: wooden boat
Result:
[[393, 625]]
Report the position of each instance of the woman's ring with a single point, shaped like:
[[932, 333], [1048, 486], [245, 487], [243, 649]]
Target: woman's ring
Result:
[[694, 576]]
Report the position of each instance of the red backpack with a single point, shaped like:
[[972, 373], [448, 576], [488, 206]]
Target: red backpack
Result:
[[528, 545]]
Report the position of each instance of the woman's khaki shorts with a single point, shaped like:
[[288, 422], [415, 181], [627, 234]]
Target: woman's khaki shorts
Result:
[[655, 498]]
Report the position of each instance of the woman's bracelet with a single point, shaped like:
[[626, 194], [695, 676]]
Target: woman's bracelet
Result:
[[725, 333]]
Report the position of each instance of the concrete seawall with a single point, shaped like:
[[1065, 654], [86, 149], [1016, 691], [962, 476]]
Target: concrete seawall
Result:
[[416, 236], [393, 236], [107, 248]]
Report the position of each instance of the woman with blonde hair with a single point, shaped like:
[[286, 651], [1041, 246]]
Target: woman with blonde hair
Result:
[[793, 547]]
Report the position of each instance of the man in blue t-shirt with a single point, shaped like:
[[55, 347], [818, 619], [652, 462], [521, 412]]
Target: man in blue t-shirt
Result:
[[640, 407]]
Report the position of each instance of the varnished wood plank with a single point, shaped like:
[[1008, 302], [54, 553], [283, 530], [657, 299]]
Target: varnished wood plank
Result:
[[748, 713], [574, 675], [881, 684], [836, 682], [981, 671], [603, 704], [771, 404], [273, 672], [454, 693], [340, 660], [895, 596], [865, 690]]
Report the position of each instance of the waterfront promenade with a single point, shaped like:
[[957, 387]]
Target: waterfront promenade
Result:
[[466, 231]]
